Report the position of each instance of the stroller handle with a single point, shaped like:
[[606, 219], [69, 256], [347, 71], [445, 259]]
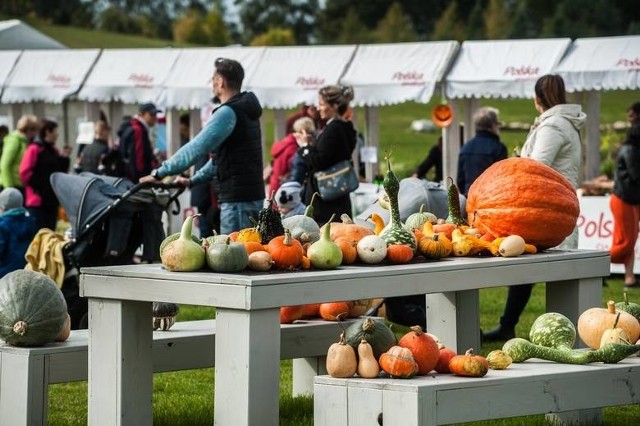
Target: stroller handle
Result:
[[173, 199]]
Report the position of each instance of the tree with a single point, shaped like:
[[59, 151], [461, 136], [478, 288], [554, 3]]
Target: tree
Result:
[[395, 26], [210, 29], [573, 18], [352, 30], [115, 20], [448, 27], [216, 29], [497, 22], [275, 37], [521, 24], [475, 22]]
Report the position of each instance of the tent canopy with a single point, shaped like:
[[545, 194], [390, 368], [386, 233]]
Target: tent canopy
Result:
[[384, 74], [503, 68], [8, 59], [15, 34], [48, 75], [617, 66], [188, 84], [128, 75], [289, 76]]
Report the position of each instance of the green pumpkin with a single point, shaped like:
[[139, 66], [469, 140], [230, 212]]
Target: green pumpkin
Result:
[[374, 331], [553, 330], [227, 257], [417, 220], [629, 307], [33, 311]]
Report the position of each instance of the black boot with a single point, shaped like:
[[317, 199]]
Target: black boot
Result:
[[500, 333]]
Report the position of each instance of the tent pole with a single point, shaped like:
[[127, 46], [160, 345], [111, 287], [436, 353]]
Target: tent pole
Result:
[[451, 143], [592, 139]]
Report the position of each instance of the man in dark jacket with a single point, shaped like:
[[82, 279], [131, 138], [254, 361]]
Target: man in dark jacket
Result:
[[233, 134], [135, 144], [482, 150], [17, 229]]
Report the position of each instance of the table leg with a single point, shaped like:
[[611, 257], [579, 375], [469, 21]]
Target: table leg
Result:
[[247, 386], [120, 363], [455, 318]]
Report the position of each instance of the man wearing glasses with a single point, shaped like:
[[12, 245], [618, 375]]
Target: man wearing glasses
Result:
[[233, 134]]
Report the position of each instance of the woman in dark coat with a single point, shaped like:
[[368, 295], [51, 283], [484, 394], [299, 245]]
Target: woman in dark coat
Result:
[[335, 143]]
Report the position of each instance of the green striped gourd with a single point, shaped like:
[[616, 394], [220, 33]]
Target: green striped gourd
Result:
[[394, 232]]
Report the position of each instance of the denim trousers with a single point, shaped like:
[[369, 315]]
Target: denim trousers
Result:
[[236, 216]]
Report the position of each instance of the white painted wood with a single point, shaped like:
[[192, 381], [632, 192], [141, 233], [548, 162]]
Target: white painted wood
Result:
[[372, 138], [172, 116], [451, 143], [330, 405], [451, 316], [591, 144], [470, 107], [370, 403], [571, 392], [304, 370], [16, 392]]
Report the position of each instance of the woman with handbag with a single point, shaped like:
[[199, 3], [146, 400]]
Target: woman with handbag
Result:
[[328, 158]]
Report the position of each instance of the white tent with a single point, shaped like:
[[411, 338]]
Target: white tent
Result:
[[15, 34], [494, 69], [597, 64], [48, 75], [8, 59]]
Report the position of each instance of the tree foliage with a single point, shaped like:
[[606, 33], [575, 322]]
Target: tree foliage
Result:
[[395, 26], [275, 37], [195, 28], [497, 22], [259, 16], [448, 27], [352, 30]]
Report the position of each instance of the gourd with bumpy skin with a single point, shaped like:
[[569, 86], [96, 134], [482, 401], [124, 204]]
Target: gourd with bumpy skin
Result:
[[553, 330], [269, 222], [453, 199], [33, 311], [498, 360], [374, 331], [629, 307], [395, 232], [227, 256], [302, 226], [521, 350]]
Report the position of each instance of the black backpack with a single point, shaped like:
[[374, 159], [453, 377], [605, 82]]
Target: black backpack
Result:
[[114, 164]]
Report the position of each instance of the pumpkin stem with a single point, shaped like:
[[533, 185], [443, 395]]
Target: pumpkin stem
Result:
[[287, 237], [615, 323], [20, 328], [309, 210], [625, 298], [417, 329], [368, 325], [345, 219], [469, 352], [611, 306]]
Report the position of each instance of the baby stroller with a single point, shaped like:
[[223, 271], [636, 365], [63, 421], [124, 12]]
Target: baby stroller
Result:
[[110, 219]]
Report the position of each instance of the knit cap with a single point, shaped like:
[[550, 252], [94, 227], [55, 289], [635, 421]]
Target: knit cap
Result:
[[288, 195], [10, 198]]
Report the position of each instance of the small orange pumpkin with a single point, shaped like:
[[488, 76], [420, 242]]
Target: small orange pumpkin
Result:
[[289, 314], [349, 250], [424, 349], [398, 362], [444, 358], [469, 365], [348, 229], [286, 251], [334, 311], [435, 246], [399, 253], [252, 246], [442, 115], [311, 310]]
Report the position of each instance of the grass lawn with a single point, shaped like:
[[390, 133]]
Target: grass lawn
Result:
[[186, 397]]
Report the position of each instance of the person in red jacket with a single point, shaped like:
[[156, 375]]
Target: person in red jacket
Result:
[[135, 143], [283, 151]]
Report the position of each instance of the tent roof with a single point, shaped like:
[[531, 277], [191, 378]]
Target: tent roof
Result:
[[383, 74], [48, 75], [503, 68], [289, 76], [617, 67], [15, 34], [188, 84], [8, 59], [128, 75]]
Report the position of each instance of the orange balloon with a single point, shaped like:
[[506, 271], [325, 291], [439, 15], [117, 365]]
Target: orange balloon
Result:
[[442, 115]]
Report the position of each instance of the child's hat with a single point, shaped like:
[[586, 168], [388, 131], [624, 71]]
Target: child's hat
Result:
[[288, 195], [10, 198]]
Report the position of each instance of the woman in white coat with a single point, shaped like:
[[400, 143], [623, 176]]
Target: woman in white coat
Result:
[[554, 139]]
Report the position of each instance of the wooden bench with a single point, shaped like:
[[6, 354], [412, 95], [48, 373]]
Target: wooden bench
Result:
[[25, 373], [574, 393]]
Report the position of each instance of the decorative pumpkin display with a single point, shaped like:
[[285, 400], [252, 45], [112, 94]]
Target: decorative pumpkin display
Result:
[[289, 314], [498, 360], [302, 226], [417, 220], [341, 359], [349, 250], [285, 251], [394, 232], [334, 311], [183, 254], [368, 366], [260, 261], [469, 365], [461, 244], [521, 196], [453, 204], [324, 253], [227, 256], [372, 249], [444, 228], [399, 253], [435, 246], [374, 331], [629, 307], [348, 229], [442, 115], [398, 362], [444, 358], [553, 330], [33, 309], [424, 348], [269, 222], [593, 322], [66, 331], [164, 315]]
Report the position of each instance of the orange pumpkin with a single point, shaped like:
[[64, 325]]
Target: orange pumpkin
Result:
[[444, 358], [469, 365], [306, 263], [334, 311], [348, 248], [289, 314], [252, 246], [311, 310], [424, 349], [435, 246], [399, 253], [286, 251], [398, 362], [348, 229], [442, 115], [521, 196]]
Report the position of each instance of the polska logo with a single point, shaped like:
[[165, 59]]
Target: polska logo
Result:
[[141, 80], [522, 71], [310, 83], [59, 80], [408, 78], [629, 63]]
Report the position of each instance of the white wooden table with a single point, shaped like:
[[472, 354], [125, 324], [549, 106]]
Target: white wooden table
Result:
[[248, 331]]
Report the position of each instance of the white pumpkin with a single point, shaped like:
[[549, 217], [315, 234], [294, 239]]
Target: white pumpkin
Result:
[[372, 249]]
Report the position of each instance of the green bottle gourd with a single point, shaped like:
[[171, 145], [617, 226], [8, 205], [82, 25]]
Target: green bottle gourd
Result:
[[394, 232], [453, 198]]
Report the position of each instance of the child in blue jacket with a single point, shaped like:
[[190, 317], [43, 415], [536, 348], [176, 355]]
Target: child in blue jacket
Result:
[[17, 229]]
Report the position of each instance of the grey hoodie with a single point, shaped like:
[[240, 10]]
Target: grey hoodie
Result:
[[554, 139]]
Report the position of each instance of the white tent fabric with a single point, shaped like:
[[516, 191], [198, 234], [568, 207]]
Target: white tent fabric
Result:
[[48, 75], [289, 76], [617, 66], [8, 59], [188, 85], [128, 75], [384, 74], [503, 68], [15, 34]]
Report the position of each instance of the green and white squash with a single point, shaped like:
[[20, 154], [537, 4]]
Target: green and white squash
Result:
[[395, 232], [417, 220], [374, 331], [33, 311], [227, 257], [302, 226], [520, 350], [553, 330]]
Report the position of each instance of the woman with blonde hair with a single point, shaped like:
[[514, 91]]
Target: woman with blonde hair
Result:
[[13, 148]]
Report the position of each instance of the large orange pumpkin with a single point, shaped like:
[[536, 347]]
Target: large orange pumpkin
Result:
[[521, 196]]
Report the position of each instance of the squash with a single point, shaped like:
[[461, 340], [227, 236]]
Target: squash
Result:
[[399, 253], [512, 246], [593, 322], [227, 256], [334, 311], [183, 254], [398, 362], [174, 237], [614, 334], [349, 250], [444, 358], [453, 204], [469, 365], [302, 226], [251, 246], [521, 196], [285, 251], [164, 315], [629, 307], [553, 330], [372, 249], [348, 229], [260, 261], [269, 222], [374, 331], [424, 348], [498, 360], [341, 359], [311, 310], [435, 246], [395, 232], [418, 219], [247, 235], [66, 331], [368, 366], [324, 253], [289, 314], [521, 350], [33, 311], [378, 223]]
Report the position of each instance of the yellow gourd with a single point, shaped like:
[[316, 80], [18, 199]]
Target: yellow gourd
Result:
[[512, 246], [499, 360], [615, 334], [368, 366]]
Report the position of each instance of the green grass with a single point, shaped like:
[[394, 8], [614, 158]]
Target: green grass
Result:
[[186, 397]]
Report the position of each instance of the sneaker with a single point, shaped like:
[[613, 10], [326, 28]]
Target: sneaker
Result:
[[499, 333]]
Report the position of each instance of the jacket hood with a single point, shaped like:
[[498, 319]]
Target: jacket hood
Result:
[[22, 223], [571, 112], [283, 144], [247, 102]]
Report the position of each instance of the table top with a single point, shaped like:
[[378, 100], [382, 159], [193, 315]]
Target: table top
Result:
[[259, 290]]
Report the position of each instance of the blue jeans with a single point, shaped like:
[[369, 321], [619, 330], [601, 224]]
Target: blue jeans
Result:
[[235, 216]]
